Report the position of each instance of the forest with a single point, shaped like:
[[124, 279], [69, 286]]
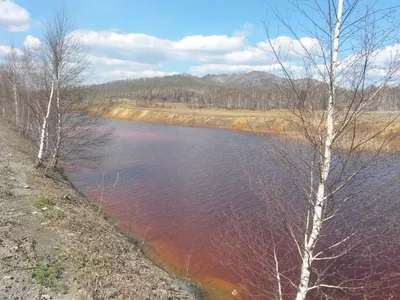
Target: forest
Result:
[[253, 92]]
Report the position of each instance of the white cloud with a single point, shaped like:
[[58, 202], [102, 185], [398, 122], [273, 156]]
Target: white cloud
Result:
[[126, 74], [213, 43], [113, 62], [116, 55], [250, 55], [146, 48], [108, 69], [132, 53], [213, 49], [387, 55], [14, 17], [32, 42], [5, 50], [245, 31], [290, 48]]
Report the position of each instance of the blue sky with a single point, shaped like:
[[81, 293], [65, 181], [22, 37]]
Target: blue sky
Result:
[[128, 38], [165, 19]]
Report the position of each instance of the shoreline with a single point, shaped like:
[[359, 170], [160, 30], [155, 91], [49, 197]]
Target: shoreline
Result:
[[277, 123], [56, 244], [235, 120]]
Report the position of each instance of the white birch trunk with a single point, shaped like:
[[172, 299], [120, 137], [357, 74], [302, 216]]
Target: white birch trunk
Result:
[[325, 166], [58, 141], [44, 129], [16, 104], [278, 277], [46, 144], [28, 115]]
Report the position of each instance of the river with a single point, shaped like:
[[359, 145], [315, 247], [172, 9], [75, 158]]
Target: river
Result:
[[174, 189]]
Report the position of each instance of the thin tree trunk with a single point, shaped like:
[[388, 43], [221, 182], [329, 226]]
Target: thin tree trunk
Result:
[[46, 145], [44, 129], [28, 115], [58, 141], [278, 277], [320, 202], [16, 104]]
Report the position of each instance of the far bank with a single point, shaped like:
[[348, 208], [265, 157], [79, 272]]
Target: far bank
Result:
[[280, 123]]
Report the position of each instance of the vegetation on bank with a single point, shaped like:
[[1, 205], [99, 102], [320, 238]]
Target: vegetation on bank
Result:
[[280, 123], [39, 85], [48, 272], [43, 203]]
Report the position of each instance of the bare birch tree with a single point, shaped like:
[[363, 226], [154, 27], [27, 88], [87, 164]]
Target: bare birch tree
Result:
[[12, 73], [65, 63], [44, 128], [351, 33], [343, 237]]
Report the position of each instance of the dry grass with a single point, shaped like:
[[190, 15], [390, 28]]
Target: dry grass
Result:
[[107, 264], [281, 123]]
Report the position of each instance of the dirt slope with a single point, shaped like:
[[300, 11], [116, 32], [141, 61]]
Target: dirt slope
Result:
[[63, 248]]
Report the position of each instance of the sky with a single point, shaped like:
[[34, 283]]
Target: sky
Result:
[[132, 38]]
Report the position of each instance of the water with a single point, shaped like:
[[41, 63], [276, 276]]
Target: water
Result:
[[175, 189]]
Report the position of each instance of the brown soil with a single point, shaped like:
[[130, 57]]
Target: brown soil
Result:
[[93, 260]]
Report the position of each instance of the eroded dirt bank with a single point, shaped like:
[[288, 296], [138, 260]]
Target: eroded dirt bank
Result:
[[382, 126], [54, 244], [272, 122]]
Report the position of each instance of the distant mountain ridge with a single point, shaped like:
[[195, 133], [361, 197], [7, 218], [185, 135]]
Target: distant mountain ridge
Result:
[[250, 79], [254, 90]]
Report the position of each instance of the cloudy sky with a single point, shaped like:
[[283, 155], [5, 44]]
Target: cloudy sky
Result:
[[136, 38]]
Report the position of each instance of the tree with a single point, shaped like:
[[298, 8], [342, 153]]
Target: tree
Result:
[[65, 63], [12, 74], [333, 244]]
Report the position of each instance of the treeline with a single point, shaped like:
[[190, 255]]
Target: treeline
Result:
[[39, 87], [196, 92]]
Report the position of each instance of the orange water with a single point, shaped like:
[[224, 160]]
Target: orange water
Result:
[[174, 189]]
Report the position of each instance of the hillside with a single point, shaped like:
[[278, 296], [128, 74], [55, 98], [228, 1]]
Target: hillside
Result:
[[252, 79], [254, 91]]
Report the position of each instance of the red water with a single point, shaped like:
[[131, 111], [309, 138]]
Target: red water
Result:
[[175, 189]]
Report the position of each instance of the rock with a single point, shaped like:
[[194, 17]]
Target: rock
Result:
[[45, 296], [26, 186], [44, 208], [8, 277]]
